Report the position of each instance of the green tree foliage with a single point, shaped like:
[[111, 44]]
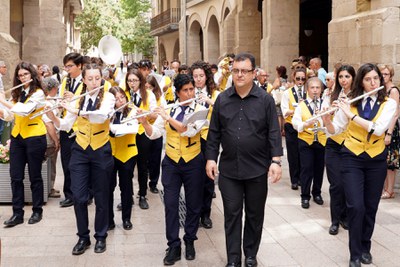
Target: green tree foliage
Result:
[[123, 19]]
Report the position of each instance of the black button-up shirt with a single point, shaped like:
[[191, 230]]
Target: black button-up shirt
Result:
[[248, 130]]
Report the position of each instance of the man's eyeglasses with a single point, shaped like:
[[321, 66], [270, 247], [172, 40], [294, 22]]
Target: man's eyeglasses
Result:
[[300, 79], [244, 72]]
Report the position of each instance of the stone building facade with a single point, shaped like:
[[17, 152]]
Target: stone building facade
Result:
[[276, 32], [38, 31]]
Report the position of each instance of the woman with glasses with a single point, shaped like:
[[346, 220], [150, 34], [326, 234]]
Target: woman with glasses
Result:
[[392, 138], [344, 81], [363, 156], [28, 142], [146, 101]]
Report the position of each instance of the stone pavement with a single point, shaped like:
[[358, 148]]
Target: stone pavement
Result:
[[292, 236]]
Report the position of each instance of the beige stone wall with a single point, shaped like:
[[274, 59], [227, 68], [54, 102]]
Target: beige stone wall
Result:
[[169, 40]]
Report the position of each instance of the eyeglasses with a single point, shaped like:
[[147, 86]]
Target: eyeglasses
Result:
[[133, 81], [69, 66], [300, 79], [26, 74], [244, 72]]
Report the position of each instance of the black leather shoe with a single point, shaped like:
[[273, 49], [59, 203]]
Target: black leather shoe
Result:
[[295, 186], [143, 203], [334, 229], [233, 264], [66, 203], [190, 252], [13, 221], [206, 222], [250, 262], [100, 246], [172, 255], [154, 190], [355, 263], [344, 224], [366, 258], [111, 226], [318, 200], [127, 225], [81, 247], [35, 218], [305, 203]]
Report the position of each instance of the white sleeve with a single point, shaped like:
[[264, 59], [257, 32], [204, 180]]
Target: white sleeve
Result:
[[285, 103], [297, 122], [158, 128]]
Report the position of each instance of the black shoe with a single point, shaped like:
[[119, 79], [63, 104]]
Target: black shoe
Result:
[[366, 258], [35, 218], [295, 186], [214, 195], [111, 226], [318, 200], [100, 246], [344, 224], [206, 222], [355, 263], [154, 190], [250, 262], [172, 255], [305, 203], [143, 203], [127, 225], [190, 252], [13, 221], [334, 229], [233, 264], [81, 247], [66, 203]]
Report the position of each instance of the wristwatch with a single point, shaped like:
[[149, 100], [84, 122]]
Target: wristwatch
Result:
[[279, 162]]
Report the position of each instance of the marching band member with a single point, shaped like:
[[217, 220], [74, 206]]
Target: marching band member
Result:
[[28, 142], [124, 149], [207, 92], [183, 165], [290, 100], [91, 159], [343, 84], [311, 143], [363, 156]]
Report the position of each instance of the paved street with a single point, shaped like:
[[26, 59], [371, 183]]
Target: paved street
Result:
[[292, 236]]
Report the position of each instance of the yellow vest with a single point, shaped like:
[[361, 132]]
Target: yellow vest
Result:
[[169, 94], [204, 130], [356, 137], [77, 92], [178, 146], [124, 147], [306, 135], [27, 127], [292, 100]]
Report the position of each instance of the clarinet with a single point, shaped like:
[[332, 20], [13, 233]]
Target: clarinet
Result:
[[315, 128]]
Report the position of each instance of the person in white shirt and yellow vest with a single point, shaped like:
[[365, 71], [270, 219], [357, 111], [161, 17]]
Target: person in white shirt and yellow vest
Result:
[[311, 143], [91, 161], [124, 149], [28, 142], [363, 156], [183, 165]]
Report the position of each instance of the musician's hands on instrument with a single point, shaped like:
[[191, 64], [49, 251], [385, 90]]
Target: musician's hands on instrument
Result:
[[67, 105], [274, 173], [143, 119], [68, 95], [345, 107], [212, 169], [204, 98]]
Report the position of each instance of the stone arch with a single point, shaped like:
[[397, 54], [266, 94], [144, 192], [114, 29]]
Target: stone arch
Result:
[[195, 42], [213, 47]]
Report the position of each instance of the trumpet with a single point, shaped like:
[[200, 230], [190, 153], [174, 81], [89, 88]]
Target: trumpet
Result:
[[18, 86], [58, 105], [165, 108], [350, 101]]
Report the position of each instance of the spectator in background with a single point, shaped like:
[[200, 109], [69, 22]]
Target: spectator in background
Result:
[[183, 69], [315, 65]]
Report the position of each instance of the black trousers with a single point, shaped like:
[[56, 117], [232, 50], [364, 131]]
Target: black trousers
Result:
[[363, 179], [292, 148], [333, 163], [66, 144], [91, 168], [253, 192], [125, 175], [155, 161], [144, 145], [27, 151], [312, 168], [190, 175], [209, 187]]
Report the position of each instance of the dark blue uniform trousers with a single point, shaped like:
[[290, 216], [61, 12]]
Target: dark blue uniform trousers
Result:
[[190, 175], [22, 151], [312, 168], [333, 163], [209, 187], [91, 168], [144, 145], [363, 179], [292, 147], [155, 161], [65, 151]]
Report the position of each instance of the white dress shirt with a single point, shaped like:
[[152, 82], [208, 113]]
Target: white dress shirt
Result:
[[150, 97], [286, 98]]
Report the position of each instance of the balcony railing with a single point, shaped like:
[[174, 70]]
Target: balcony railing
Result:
[[166, 21]]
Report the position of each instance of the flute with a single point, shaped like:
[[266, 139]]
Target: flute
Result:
[[350, 101], [18, 86], [57, 105], [166, 107]]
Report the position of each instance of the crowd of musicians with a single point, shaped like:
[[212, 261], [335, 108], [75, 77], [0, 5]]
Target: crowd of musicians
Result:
[[106, 121]]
